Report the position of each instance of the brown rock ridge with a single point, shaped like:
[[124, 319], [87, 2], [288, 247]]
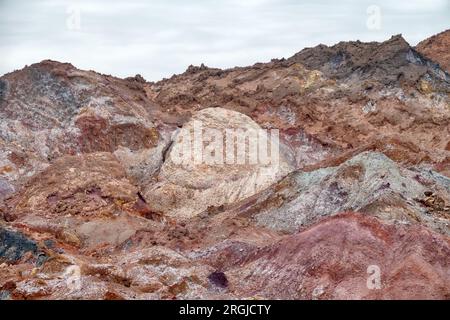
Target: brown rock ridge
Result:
[[436, 49], [88, 184], [333, 260], [369, 183]]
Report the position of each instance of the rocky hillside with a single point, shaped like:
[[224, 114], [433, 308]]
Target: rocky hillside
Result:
[[436, 49], [95, 202]]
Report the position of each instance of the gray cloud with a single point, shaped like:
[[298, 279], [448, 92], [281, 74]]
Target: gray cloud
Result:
[[158, 38]]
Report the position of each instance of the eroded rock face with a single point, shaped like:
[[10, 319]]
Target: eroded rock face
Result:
[[187, 187], [92, 186], [436, 49], [386, 62], [76, 185], [14, 245], [333, 260], [369, 182], [51, 109], [84, 201], [332, 100]]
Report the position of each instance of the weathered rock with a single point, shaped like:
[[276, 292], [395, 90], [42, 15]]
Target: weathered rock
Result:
[[76, 185], [369, 182], [436, 49], [319, 99], [82, 200], [96, 205], [337, 258], [188, 186], [386, 62], [14, 245], [52, 109]]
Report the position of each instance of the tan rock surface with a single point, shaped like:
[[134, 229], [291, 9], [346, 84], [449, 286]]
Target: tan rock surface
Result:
[[94, 205], [436, 49]]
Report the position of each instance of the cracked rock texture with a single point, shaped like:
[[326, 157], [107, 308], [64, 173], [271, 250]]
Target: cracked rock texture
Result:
[[188, 188], [96, 204], [436, 48]]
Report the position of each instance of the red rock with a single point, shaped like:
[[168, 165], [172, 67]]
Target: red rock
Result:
[[88, 182], [331, 260]]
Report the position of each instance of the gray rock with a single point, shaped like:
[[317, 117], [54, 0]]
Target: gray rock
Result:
[[13, 245]]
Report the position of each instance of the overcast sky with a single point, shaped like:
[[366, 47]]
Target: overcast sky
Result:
[[158, 38]]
